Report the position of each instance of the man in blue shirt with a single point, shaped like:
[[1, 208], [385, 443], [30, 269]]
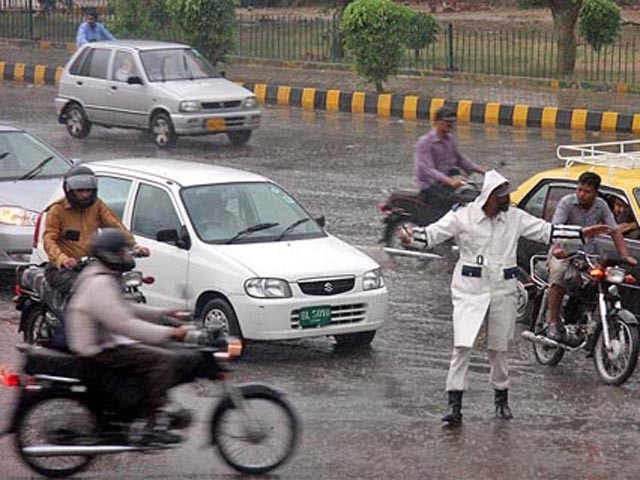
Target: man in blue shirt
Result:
[[91, 30]]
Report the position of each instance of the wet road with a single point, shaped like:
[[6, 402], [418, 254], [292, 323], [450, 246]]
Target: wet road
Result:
[[375, 414]]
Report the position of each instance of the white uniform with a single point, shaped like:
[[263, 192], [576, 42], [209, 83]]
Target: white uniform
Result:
[[484, 279]]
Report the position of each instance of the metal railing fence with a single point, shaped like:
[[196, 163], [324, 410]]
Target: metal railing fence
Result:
[[506, 52]]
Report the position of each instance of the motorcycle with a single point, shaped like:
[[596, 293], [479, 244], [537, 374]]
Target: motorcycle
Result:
[[41, 306], [593, 315], [68, 412], [404, 209]]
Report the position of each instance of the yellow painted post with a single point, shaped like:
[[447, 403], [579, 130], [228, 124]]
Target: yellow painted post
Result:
[[308, 98], [549, 116], [283, 95], [260, 89], [492, 113], [464, 110], [520, 114], [333, 100], [38, 74], [357, 102], [579, 119], [609, 121], [635, 126], [384, 104], [1, 71], [436, 103], [410, 107], [18, 72], [59, 71]]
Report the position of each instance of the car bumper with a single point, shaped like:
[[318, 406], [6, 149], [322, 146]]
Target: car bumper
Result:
[[15, 246], [277, 319], [208, 123], [60, 102]]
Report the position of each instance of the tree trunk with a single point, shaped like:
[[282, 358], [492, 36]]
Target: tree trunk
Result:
[[565, 15]]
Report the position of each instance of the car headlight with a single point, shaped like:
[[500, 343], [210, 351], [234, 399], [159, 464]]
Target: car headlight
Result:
[[189, 106], [267, 288], [250, 102], [373, 279], [18, 216]]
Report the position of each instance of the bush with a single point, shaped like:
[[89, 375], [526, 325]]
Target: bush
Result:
[[209, 25], [599, 22], [374, 32], [137, 19], [421, 30]]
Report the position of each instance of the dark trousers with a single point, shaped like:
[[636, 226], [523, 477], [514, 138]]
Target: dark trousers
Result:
[[154, 364], [439, 198], [62, 279]]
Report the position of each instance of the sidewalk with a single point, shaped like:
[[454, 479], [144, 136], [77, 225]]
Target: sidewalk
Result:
[[490, 90]]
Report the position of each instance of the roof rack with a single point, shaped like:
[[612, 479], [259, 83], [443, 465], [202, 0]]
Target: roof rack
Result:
[[623, 154]]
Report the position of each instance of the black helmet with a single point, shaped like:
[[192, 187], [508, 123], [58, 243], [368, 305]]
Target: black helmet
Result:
[[110, 247], [80, 178]]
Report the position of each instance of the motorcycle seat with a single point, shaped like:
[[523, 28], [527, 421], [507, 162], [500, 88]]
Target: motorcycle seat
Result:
[[406, 192], [45, 361]]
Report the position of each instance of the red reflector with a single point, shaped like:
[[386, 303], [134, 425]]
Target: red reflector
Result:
[[9, 379], [148, 280], [36, 231], [16, 289], [629, 279], [384, 208]]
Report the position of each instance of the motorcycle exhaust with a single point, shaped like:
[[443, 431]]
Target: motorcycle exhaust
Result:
[[398, 252], [82, 450], [541, 340]]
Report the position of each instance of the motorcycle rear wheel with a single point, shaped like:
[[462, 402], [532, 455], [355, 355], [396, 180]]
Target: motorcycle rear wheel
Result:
[[549, 356], [37, 330], [615, 367], [56, 419], [268, 443]]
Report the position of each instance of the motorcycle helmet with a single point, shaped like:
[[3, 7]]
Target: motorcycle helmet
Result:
[[110, 246], [80, 178]]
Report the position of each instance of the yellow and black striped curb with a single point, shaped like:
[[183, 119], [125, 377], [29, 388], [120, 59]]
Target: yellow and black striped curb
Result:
[[392, 105]]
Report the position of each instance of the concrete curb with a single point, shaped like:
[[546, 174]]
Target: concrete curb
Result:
[[392, 105]]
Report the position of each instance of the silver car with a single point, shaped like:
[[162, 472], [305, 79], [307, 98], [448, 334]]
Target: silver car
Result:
[[30, 171], [168, 89]]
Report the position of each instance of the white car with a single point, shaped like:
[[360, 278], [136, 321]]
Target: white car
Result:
[[237, 249]]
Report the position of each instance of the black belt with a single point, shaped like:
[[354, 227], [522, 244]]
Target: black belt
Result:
[[476, 272]]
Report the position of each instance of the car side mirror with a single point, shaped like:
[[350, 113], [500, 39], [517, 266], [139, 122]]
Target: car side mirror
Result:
[[134, 80], [173, 237], [321, 221], [223, 74]]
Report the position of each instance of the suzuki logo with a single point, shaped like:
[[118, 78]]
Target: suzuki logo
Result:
[[328, 287]]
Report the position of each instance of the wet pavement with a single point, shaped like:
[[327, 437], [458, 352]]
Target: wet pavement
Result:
[[376, 413]]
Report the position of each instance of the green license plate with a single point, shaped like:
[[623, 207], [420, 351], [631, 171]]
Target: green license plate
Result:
[[315, 316]]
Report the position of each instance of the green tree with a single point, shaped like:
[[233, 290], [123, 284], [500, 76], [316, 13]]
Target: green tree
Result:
[[565, 15], [374, 31], [209, 25], [138, 19], [599, 22], [421, 30]]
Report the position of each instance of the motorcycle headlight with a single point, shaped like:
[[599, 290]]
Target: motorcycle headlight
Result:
[[132, 279], [250, 102], [189, 106], [267, 288], [615, 275], [18, 216], [373, 279]]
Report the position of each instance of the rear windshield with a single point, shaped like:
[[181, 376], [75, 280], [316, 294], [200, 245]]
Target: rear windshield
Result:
[[176, 64]]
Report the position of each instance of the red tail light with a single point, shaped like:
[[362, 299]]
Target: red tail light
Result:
[[629, 279], [148, 280], [9, 379], [36, 231]]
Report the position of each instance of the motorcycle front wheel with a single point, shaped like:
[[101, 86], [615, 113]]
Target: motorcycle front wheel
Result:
[[258, 437], [545, 355], [37, 330], [55, 420], [615, 366]]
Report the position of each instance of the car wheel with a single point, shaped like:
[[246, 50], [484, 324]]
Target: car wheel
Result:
[[162, 132], [239, 137], [350, 341], [77, 123], [218, 313]]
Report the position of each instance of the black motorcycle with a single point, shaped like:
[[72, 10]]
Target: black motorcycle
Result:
[[404, 209], [593, 315], [41, 306], [68, 412]]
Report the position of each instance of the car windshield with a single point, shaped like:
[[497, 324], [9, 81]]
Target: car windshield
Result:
[[24, 157], [176, 64], [247, 213]]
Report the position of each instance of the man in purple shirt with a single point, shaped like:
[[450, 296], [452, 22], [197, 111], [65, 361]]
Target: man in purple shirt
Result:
[[436, 156]]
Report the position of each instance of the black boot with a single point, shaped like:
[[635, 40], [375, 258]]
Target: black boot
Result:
[[453, 417], [503, 410]]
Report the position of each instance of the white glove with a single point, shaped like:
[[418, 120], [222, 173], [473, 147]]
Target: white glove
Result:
[[420, 234]]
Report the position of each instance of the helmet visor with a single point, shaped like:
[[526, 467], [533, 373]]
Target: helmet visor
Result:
[[82, 182]]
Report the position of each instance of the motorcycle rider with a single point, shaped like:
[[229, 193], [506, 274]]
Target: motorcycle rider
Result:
[[121, 335], [70, 223], [584, 208], [436, 155], [483, 288]]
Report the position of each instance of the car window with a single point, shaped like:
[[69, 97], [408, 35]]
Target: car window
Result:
[[114, 192], [153, 211], [556, 192], [123, 66], [534, 204], [219, 212], [175, 64], [75, 67], [24, 156], [96, 63]]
